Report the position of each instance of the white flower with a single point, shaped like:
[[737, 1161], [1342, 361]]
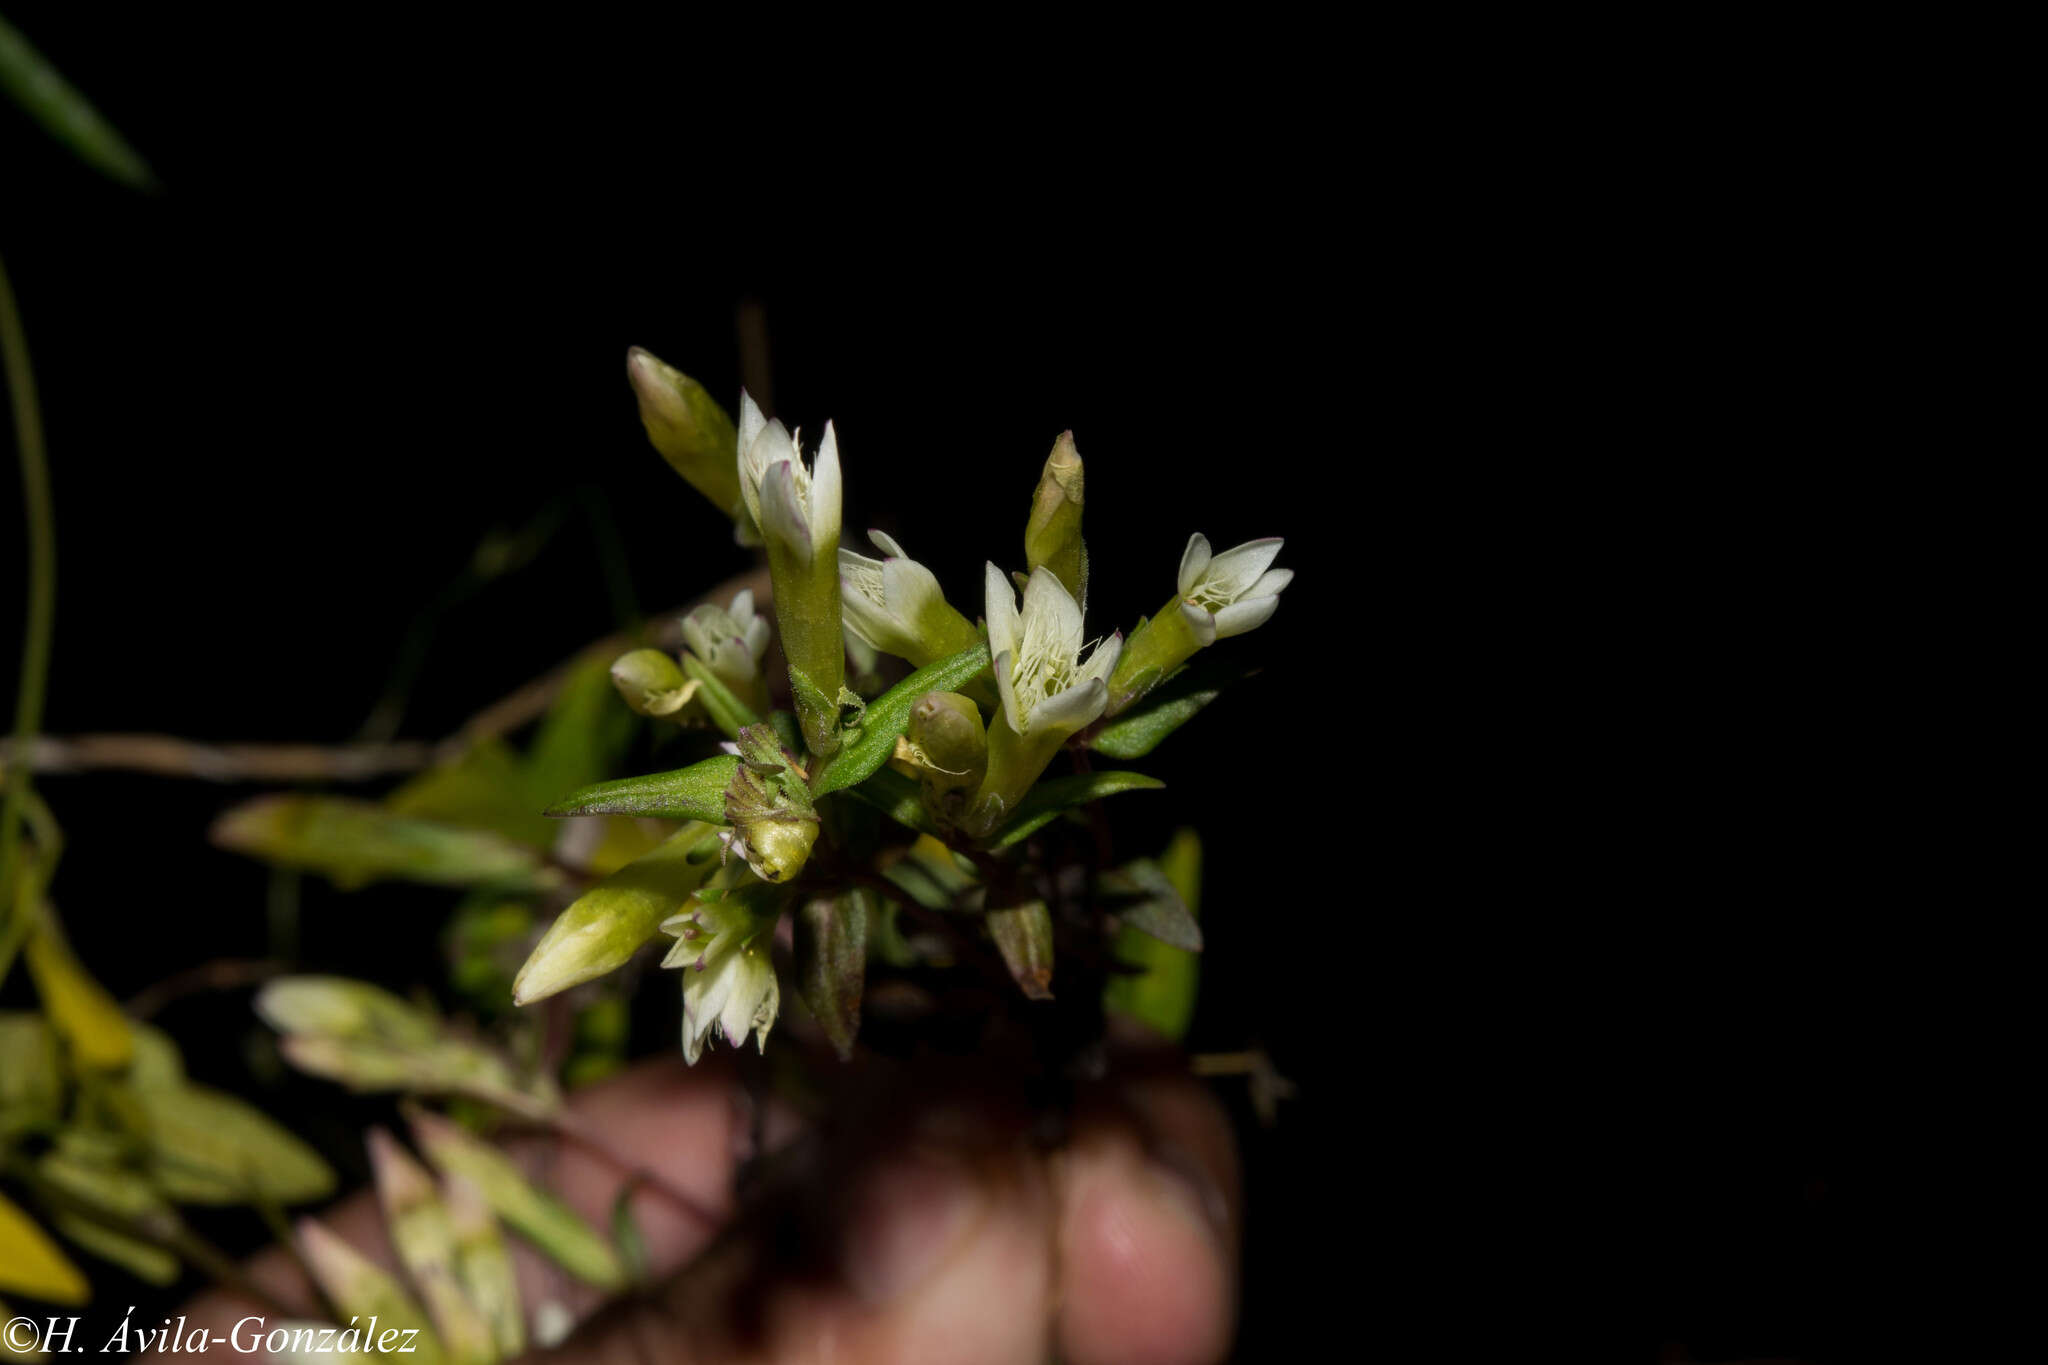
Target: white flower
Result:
[[1231, 593], [728, 977], [730, 641], [895, 605], [798, 506], [1044, 684]]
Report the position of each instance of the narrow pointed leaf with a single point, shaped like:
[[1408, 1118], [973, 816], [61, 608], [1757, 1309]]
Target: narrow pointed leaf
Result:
[[84, 1014], [1024, 935], [360, 1288], [1162, 992], [32, 1264], [832, 963], [354, 843], [1046, 801], [208, 1148], [867, 748], [30, 80], [693, 793], [1165, 709]]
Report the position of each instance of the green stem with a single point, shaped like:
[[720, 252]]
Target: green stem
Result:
[[42, 581]]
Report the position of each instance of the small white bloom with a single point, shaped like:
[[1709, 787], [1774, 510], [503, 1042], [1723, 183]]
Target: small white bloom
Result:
[[728, 977], [1231, 593], [731, 641], [1044, 683], [893, 604], [798, 506]]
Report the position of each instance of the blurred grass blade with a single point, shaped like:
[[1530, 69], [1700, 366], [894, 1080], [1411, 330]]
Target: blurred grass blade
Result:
[[49, 99], [606, 925], [32, 1264], [208, 1148], [693, 793], [484, 1264], [357, 1288], [1046, 801], [424, 1238], [539, 1217], [888, 715], [353, 843]]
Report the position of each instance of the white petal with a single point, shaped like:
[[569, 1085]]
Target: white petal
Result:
[[1073, 708], [1199, 621], [770, 447], [887, 544], [737, 1017], [782, 510], [1103, 661], [1239, 617], [1052, 618], [909, 589], [1012, 712], [751, 422], [999, 607], [1231, 574], [742, 609], [756, 636], [1270, 583], [825, 490], [1194, 562]]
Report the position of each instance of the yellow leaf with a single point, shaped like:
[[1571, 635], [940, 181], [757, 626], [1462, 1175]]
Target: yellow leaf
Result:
[[31, 1264]]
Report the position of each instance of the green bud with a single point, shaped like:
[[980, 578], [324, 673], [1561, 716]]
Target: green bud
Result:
[[606, 925], [1052, 538], [651, 682], [768, 805], [689, 429], [949, 745]]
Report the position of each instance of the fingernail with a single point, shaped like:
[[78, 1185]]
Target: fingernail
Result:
[[907, 1220], [1188, 1183]]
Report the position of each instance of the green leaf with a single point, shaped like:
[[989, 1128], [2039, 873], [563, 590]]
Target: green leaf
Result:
[[693, 793], [1164, 710], [89, 1172], [50, 100], [361, 1289], [870, 746], [897, 797], [726, 710], [31, 1071], [1044, 802], [1162, 992], [1144, 899], [79, 1006], [485, 788], [210, 1148], [832, 963], [353, 843], [1024, 935]]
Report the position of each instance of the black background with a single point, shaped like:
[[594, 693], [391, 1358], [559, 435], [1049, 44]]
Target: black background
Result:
[[1520, 846]]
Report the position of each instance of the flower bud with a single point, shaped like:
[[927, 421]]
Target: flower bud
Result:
[[606, 925], [651, 682], [895, 605], [769, 807], [949, 747], [1052, 537], [731, 641], [689, 429]]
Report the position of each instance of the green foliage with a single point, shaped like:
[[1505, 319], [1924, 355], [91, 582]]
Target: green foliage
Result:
[[1164, 709], [31, 82], [1162, 991], [1048, 800], [354, 843], [693, 793], [887, 717]]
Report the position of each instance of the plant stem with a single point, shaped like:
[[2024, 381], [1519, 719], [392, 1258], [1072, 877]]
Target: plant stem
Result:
[[42, 578]]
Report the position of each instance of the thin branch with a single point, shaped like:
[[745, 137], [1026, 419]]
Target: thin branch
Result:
[[222, 974], [42, 574]]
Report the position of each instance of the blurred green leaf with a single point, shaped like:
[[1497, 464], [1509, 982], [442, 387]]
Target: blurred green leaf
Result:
[[358, 1288], [486, 788], [79, 1006], [584, 735], [869, 747], [90, 1174], [32, 1264], [338, 1007], [1023, 933], [693, 793], [354, 843], [1162, 993], [541, 1218], [49, 99], [208, 1148], [484, 1265], [31, 1071], [424, 1238], [1144, 899], [1046, 801], [897, 797]]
